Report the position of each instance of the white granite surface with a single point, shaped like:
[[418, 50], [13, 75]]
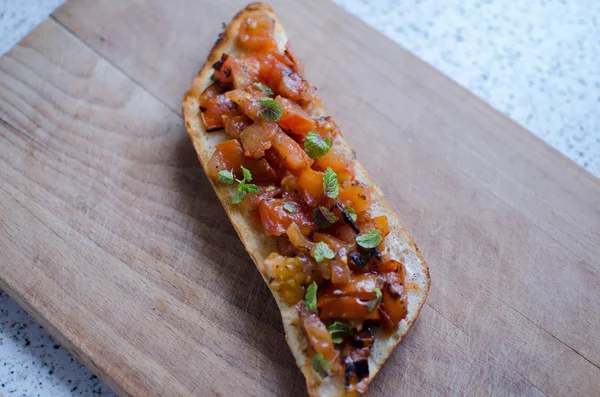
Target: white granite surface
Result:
[[538, 61]]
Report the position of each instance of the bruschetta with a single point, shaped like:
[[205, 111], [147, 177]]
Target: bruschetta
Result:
[[346, 275]]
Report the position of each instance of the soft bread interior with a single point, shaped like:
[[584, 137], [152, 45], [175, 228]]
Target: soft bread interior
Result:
[[259, 246]]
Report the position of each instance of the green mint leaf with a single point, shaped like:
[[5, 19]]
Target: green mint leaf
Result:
[[290, 207], [263, 88], [320, 366], [370, 240], [250, 188], [247, 174], [315, 145], [322, 251], [226, 177], [239, 196], [352, 213], [373, 303], [323, 217], [310, 299], [330, 183], [270, 109], [337, 340], [340, 328]]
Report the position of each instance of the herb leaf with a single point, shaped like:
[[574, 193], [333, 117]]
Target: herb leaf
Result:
[[263, 88], [323, 217], [330, 183], [290, 207], [315, 145], [373, 303], [247, 174], [370, 240], [337, 340], [270, 109], [226, 177], [339, 329], [322, 251], [310, 299], [352, 213], [320, 366], [239, 196]]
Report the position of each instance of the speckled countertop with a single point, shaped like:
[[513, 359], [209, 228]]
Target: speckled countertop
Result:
[[538, 61]]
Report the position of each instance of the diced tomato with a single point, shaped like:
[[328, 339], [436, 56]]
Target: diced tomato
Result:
[[394, 302], [381, 223], [289, 182], [345, 308], [252, 200], [355, 195], [326, 127], [229, 156], [257, 33], [310, 186], [234, 122], [335, 244], [245, 72], [276, 219], [283, 79], [340, 272], [343, 231], [258, 137], [337, 162], [360, 286], [213, 110], [290, 153], [223, 69], [210, 92], [319, 338], [248, 103], [294, 119]]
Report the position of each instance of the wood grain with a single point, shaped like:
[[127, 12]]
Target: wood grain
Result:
[[112, 237]]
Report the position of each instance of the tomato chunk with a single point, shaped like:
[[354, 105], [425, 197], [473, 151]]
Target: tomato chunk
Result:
[[290, 153], [337, 162], [319, 338], [229, 156], [381, 223], [361, 286], [248, 103], [294, 119], [257, 32], [213, 111], [326, 127], [284, 79], [210, 92], [258, 137], [310, 185], [276, 219], [355, 195], [340, 271], [245, 72], [234, 122], [345, 308], [394, 302]]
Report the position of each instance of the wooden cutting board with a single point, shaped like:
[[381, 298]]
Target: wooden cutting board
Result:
[[111, 236]]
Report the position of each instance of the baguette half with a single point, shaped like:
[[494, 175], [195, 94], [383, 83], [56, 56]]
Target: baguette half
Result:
[[258, 245]]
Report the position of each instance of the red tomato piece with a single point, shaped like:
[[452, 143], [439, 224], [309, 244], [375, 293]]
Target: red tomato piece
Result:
[[276, 219], [319, 338], [337, 162], [290, 153], [258, 137], [223, 69], [213, 111], [229, 156], [234, 122], [310, 186], [294, 119], [395, 302], [345, 308], [248, 103], [245, 72], [257, 33]]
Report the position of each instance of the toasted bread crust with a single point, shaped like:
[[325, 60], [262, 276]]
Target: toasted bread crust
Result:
[[259, 246]]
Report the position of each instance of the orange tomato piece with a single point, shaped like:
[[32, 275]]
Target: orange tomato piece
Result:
[[345, 308], [229, 156], [289, 182], [326, 127], [223, 69], [294, 119], [257, 32], [310, 186], [276, 219], [252, 200], [360, 286], [340, 272], [234, 122], [258, 137], [290, 152], [343, 231], [355, 195], [210, 92], [213, 111], [248, 103], [319, 338], [394, 302], [245, 72], [381, 223], [337, 162]]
